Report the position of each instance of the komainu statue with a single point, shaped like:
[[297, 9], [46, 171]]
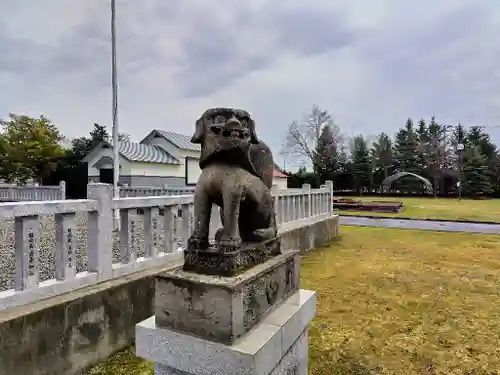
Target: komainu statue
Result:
[[237, 174]]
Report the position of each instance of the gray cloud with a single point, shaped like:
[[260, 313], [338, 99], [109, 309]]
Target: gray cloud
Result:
[[17, 54], [215, 54], [444, 64], [213, 58], [310, 31], [371, 66], [84, 48]]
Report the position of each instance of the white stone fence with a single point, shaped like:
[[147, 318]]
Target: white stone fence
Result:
[[145, 191], [150, 239], [26, 193]]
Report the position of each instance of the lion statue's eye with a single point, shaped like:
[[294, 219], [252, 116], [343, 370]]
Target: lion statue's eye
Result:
[[219, 119]]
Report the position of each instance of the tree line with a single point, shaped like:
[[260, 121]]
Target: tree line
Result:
[[448, 156], [32, 149]]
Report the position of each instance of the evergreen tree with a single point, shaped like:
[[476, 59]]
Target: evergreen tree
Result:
[[422, 132], [406, 149], [406, 152], [459, 136], [361, 164], [475, 179], [477, 137], [495, 181], [422, 138], [325, 155], [435, 152], [382, 155]]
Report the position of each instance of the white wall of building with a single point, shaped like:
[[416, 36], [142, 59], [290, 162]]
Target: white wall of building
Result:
[[156, 169], [281, 182], [193, 170], [106, 152]]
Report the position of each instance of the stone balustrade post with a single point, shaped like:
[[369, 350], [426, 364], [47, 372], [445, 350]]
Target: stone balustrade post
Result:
[[275, 191], [329, 185], [62, 190], [307, 191], [27, 242], [116, 213], [100, 230]]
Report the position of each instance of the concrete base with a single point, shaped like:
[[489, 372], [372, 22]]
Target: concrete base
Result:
[[277, 346]]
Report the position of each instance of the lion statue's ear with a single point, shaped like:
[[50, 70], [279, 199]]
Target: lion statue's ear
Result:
[[199, 132], [253, 135]]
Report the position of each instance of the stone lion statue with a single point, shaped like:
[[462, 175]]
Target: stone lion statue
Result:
[[237, 174]]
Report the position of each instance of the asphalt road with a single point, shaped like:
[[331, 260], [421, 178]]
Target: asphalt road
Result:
[[443, 226]]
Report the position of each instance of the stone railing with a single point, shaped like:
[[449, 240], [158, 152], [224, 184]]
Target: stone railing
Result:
[[88, 250], [304, 203], [26, 193], [144, 191]]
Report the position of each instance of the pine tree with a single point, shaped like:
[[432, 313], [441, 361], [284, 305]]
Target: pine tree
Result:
[[406, 152], [475, 179], [422, 131], [362, 171], [459, 135], [382, 153], [476, 136], [406, 148], [422, 139], [325, 154], [435, 152]]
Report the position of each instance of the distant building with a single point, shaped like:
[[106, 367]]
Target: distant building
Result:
[[161, 158], [280, 179]]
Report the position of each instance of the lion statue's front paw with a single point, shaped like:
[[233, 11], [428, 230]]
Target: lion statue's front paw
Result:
[[197, 243], [228, 243]]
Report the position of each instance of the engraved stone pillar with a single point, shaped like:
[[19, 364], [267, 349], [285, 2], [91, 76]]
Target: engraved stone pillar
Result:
[[255, 323], [62, 190]]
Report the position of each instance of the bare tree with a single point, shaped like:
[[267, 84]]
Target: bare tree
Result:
[[302, 138]]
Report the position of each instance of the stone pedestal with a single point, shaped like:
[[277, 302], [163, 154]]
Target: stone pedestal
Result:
[[213, 261], [254, 323]]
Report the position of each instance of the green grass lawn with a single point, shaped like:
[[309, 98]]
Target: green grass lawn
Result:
[[399, 302], [438, 208]]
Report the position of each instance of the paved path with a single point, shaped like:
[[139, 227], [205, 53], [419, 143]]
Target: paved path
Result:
[[445, 226]]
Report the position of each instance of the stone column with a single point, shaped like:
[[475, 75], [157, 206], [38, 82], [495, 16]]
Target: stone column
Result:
[[329, 185], [307, 190], [100, 229], [275, 191], [252, 324], [62, 190]]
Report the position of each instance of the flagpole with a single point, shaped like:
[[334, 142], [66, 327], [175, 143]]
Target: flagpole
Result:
[[114, 84]]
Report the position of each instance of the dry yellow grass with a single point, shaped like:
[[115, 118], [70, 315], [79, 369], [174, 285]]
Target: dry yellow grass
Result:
[[123, 363], [395, 302], [405, 302], [439, 208]]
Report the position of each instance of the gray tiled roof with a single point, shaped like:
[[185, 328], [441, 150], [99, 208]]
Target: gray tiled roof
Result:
[[144, 152], [180, 140]]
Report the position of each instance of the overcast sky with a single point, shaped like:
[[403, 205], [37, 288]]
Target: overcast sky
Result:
[[371, 63]]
